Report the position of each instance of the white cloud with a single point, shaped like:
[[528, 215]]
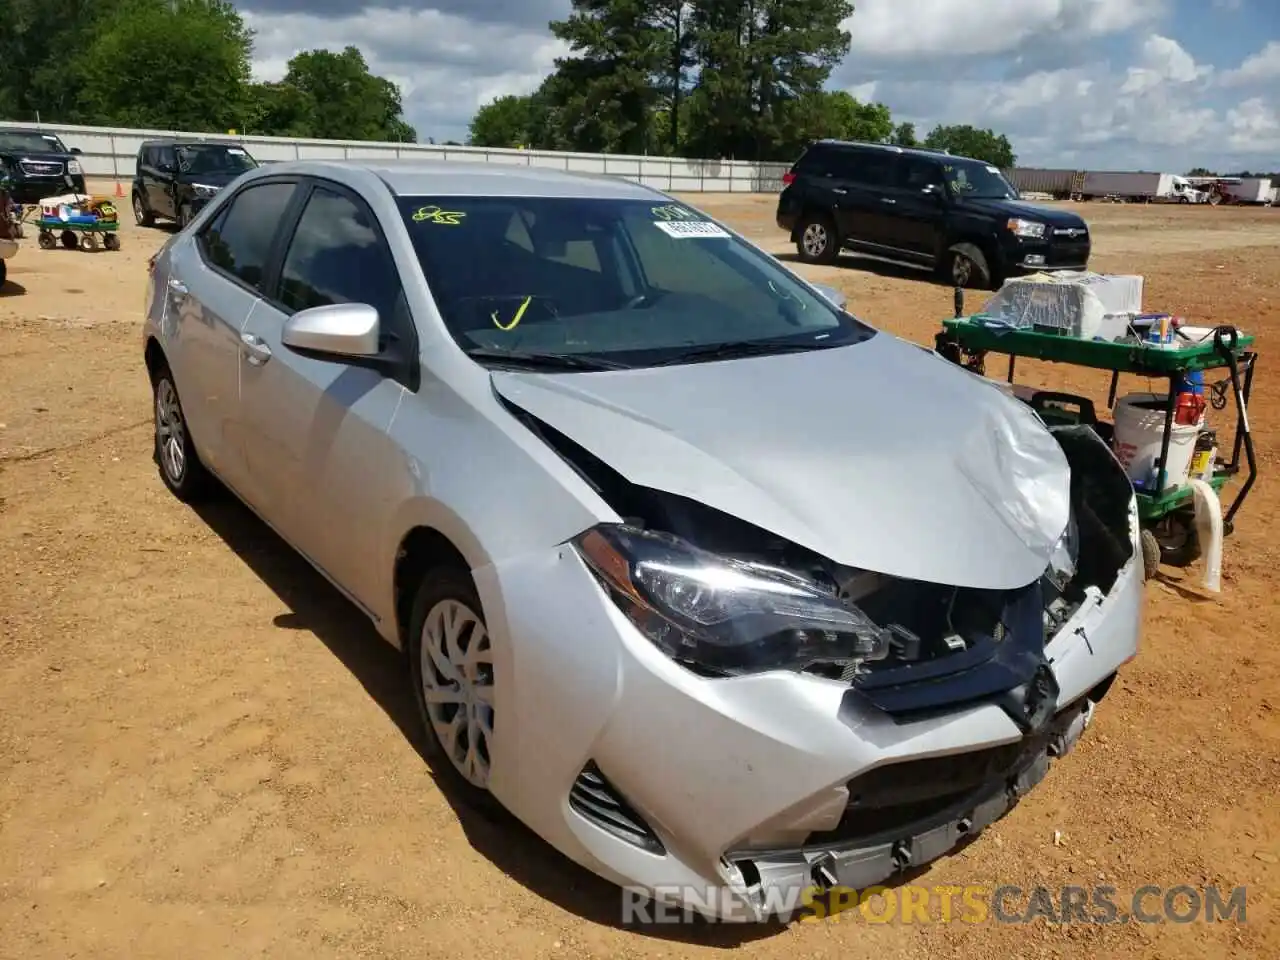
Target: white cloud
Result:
[[446, 65], [1099, 83], [885, 29], [1262, 67]]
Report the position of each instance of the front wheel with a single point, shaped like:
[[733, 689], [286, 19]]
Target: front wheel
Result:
[[175, 454], [817, 241], [967, 267], [451, 665]]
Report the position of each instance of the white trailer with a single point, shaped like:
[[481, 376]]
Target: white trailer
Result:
[[1275, 197], [1251, 190], [1139, 187]]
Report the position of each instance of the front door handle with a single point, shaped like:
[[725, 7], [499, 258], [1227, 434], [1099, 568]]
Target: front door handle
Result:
[[177, 287], [840, 190], [887, 200], [255, 349]]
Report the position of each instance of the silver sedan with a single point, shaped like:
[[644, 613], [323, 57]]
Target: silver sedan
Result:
[[725, 593]]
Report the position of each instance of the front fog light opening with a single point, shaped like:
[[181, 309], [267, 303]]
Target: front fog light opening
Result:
[[596, 800]]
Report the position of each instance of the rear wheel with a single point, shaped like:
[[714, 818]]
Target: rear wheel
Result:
[[140, 213], [175, 454], [816, 240]]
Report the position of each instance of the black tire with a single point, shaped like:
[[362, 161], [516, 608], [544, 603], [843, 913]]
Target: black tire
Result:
[[817, 240], [140, 212], [69, 240], [46, 240], [1179, 541], [111, 241], [189, 481], [1150, 554], [966, 266], [439, 586], [4, 273]]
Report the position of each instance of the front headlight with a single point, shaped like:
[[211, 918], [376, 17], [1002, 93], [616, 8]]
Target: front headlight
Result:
[[1026, 228], [723, 615], [74, 168], [204, 190]]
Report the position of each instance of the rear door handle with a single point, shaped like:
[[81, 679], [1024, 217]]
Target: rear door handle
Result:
[[177, 287], [887, 200], [255, 349], [840, 190]]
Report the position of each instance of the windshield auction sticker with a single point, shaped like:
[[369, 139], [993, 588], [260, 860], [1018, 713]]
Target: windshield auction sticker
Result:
[[683, 230]]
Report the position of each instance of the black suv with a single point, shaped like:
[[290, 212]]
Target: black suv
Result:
[[957, 215], [175, 178], [38, 165]]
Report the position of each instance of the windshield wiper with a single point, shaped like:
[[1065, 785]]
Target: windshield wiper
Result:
[[742, 348], [545, 361]]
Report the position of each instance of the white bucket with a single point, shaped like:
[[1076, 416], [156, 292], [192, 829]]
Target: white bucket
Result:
[[1140, 419]]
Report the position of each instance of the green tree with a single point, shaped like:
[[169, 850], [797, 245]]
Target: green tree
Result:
[[968, 141], [343, 100], [506, 122], [36, 78], [904, 135], [756, 59], [280, 110], [617, 48], [172, 64]]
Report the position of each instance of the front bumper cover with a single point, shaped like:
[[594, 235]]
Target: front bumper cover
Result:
[[745, 774]]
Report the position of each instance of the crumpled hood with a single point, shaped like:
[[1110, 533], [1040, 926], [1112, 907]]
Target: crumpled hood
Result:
[[878, 455]]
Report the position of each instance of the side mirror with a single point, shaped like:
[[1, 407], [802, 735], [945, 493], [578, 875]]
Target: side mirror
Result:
[[76, 150], [832, 294], [336, 330]]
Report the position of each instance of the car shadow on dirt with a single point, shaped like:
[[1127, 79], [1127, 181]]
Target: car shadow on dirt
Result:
[[11, 288], [316, 606]]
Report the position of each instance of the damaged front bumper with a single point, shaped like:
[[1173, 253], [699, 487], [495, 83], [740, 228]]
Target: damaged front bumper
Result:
[[991, 783], [727, 789]]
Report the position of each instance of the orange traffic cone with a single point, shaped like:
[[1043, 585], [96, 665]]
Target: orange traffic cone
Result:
[[119, 190]]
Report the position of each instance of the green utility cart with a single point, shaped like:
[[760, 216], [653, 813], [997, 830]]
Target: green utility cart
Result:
[[1168, 518], [75, 234]]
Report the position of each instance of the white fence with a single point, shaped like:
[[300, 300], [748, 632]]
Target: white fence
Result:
[[110, 153]]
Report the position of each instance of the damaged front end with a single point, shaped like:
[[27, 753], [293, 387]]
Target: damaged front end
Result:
[[725, 598]]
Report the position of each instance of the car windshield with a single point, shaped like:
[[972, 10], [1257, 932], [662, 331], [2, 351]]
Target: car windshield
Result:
[[977, 181], [31, 142], [632, 282], [214, 158]]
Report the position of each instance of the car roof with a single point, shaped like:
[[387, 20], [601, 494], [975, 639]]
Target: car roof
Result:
[[413, 177], [923, 152], [185, 141]]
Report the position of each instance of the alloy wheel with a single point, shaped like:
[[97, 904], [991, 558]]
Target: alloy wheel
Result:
[[815, 240], [171, 432], [138, 213], [457, 687]]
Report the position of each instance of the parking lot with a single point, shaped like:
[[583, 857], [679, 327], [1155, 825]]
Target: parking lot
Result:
[[205, 752]]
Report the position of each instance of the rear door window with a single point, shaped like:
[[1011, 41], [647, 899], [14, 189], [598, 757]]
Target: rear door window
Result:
[[874, 168], [239, 239]]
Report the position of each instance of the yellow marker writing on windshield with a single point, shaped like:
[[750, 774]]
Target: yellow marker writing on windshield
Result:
[[445, 218], [514, 320]]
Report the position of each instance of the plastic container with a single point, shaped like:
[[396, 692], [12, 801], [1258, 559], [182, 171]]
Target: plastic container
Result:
[[1204, 459], [1140, 419]]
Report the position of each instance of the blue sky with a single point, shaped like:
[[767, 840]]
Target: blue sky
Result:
[[1104, 84]]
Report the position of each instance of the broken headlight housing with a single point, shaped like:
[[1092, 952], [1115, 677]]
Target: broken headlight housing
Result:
[[725, 616]]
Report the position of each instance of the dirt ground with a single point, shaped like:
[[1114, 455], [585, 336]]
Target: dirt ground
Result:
[[204, 752]]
